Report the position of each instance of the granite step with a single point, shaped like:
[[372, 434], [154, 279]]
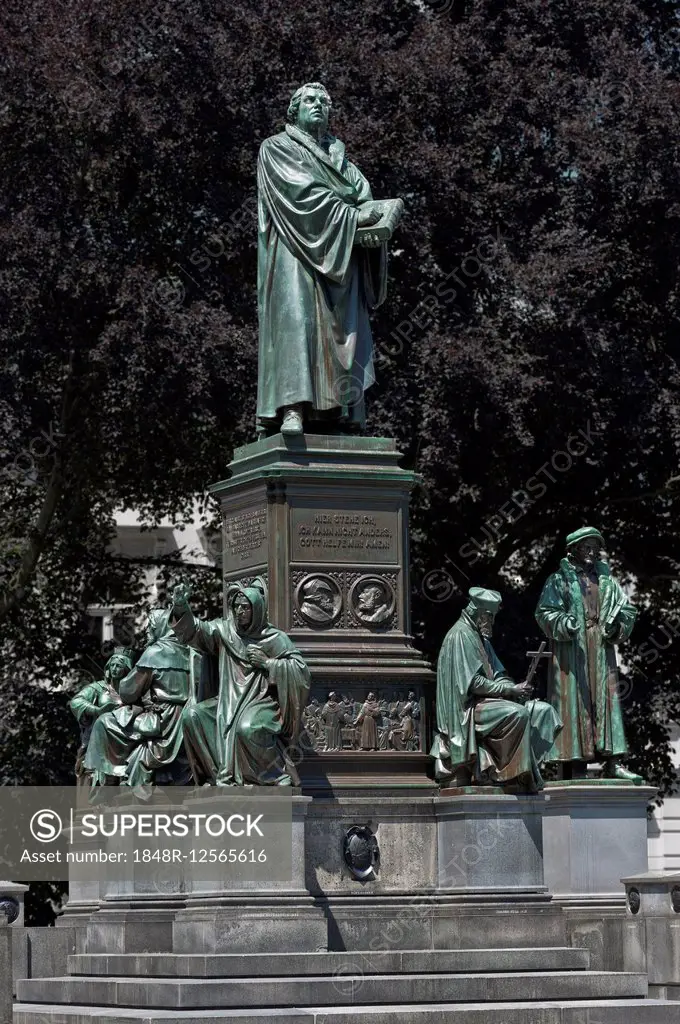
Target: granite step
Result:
[[261, 965], [336, 991], [623, 1011]]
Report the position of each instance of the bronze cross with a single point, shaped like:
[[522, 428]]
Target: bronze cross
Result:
[[542, 652]]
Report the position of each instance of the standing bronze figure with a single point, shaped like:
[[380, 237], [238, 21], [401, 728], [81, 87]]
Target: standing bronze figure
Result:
[[319, 273], [585, 612]]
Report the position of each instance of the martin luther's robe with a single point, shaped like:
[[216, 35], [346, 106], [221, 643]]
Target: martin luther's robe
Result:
[[315, 287]]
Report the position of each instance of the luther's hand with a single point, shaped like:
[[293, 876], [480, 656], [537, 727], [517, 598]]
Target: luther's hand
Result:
[[256, 657], [370, 241], [367, 215]]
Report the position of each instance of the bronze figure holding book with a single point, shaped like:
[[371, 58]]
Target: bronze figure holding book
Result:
[[322, 265]]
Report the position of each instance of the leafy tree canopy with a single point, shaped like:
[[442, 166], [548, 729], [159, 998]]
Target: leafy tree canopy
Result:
[[527, 355]]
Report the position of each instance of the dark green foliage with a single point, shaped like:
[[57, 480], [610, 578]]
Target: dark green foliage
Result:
[[536, 147]]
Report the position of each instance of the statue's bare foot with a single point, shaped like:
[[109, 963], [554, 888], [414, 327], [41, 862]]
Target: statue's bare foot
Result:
[[613, 770], [292, 421]]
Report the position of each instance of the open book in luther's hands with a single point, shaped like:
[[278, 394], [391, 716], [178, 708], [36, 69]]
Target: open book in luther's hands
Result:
[[390, 211]]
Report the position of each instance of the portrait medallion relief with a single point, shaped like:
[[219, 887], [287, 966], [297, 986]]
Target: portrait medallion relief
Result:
[[9, 906], [318, 600], [675, 898], [361, 852], [372, 600], [634, 901]]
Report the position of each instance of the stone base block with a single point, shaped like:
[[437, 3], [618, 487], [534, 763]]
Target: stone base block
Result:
[[438, 922], [489, 840], [405, 828], [597, 926], [652, 930], [594, 834], [42, 952], [126, 930], [665, 992], [251, 926]]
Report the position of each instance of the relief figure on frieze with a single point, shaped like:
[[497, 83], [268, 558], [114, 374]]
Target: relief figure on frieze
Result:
[[332, 718], [368, 718]]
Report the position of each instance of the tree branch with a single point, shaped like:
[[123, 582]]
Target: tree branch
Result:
[[37, 537], [663, 490]]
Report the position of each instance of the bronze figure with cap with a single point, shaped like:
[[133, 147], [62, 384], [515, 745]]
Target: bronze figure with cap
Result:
[[585, 613], [489, 730]]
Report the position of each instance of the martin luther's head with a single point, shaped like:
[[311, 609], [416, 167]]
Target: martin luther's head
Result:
[[310, 109]]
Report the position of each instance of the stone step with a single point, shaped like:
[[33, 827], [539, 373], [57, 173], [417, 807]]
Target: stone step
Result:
[[261, 965], [622, 1011], [341, 990]]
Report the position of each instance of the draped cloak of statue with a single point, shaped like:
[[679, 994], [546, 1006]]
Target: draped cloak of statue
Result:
[[476, 727], [91, 702], [583, 676], [315, 287], [368, 718], [240, 737], [134, 741]]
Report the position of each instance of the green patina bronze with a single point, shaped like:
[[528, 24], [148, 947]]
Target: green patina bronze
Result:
[[142, 735], [488, 728], [585, 613], [317, 278], [243, 735], [95, 700]]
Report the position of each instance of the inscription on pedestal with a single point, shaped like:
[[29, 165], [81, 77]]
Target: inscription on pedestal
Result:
[[331, 536], [245, 539]]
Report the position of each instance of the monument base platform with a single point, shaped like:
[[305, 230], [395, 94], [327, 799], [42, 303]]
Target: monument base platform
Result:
[[456, 923]]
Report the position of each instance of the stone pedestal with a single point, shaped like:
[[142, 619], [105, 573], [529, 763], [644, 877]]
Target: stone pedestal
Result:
[[594, 833], [84, 897], [255, 917], [406, 831], [490, 841], [325, 520], [652, 931]]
